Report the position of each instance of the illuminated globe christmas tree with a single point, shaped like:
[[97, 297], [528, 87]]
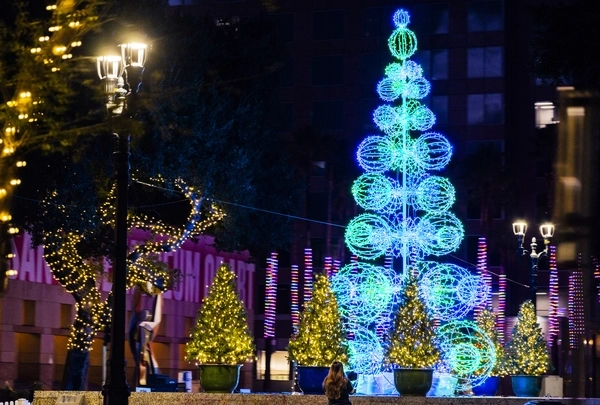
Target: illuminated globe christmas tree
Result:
[[407, 214], [221, 334]]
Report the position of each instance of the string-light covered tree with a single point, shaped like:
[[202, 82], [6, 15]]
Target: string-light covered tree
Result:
[[221, 334], [320, 338], [412, 341], [36, 71], [80, 275], [486, 320], [526, 351]]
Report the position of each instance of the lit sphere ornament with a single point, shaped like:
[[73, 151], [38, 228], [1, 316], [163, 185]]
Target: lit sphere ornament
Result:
[[396, 71], [368, 236], [468, 350], [402, 42], [366, 352], [473, 289], [435, 194], [364, 292], [375, 154], [417, 88], [390, 89], [372, 191], [385, 117], [432, 151], [443, 287], [411, 70], [422, 119], [440, 233]]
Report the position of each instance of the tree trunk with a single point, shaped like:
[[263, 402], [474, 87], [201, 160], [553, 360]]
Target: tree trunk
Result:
[[76, 370]]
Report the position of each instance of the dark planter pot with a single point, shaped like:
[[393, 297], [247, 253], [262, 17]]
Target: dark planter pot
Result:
[[526, 385], [219, 377], [310, 379], [413, 382], [488, 388]]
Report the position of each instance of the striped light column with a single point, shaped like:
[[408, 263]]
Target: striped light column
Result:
[[552, 297], [270, 296]]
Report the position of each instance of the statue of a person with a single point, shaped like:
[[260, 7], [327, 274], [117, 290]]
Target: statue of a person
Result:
[[143, 327]]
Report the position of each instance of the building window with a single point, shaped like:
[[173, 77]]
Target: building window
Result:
[[317, 208], [318, 250], [472, 248], [286, 74], [371, 22], [439, 64], [430, 18], [542, 208], [66, 316], [473, 206], [328, 115], [328, 70], [439, 106], [484, 16], [485, 109], [28, 312], [285, 118], [318, 168], [485, 62], [283, 303], [285, 26], [372, 67], [367, 106], [434, 63], [328, 25], [377, 21]]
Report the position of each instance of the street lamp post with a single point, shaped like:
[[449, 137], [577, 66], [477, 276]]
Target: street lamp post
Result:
[[112, 70], [547, 232]]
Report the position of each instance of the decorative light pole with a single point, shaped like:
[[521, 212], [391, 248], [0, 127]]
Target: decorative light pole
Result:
[[114, 70], [547, 232]]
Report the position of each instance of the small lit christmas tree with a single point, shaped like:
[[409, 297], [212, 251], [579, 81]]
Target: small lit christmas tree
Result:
[[486, 320], [413, 342], [526, 352], [320, 339], [221, 334]]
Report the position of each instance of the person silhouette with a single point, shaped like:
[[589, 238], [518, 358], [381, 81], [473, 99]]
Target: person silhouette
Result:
[[337, 386]]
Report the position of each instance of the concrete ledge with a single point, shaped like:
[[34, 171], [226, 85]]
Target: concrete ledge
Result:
[[181, 398]]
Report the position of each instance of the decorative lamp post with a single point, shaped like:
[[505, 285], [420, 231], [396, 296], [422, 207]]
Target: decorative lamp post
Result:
[[114, 70], [547, 232]]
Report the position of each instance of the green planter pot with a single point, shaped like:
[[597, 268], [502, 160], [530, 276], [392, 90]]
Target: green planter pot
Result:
[[413, 382], [219, 377], [526, 385], [310, 379]]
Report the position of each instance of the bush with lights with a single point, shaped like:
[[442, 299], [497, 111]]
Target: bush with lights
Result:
[[486, 320], [526, 352], [221, 334], [412, 341], [320, 339]]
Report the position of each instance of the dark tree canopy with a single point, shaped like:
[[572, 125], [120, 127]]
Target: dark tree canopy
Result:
[[561, 46], [206, 113]]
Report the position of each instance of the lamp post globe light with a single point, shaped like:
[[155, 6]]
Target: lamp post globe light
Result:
[[547, 232], [114, 71]]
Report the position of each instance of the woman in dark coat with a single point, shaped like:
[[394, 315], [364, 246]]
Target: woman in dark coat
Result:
[[336, 386]]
